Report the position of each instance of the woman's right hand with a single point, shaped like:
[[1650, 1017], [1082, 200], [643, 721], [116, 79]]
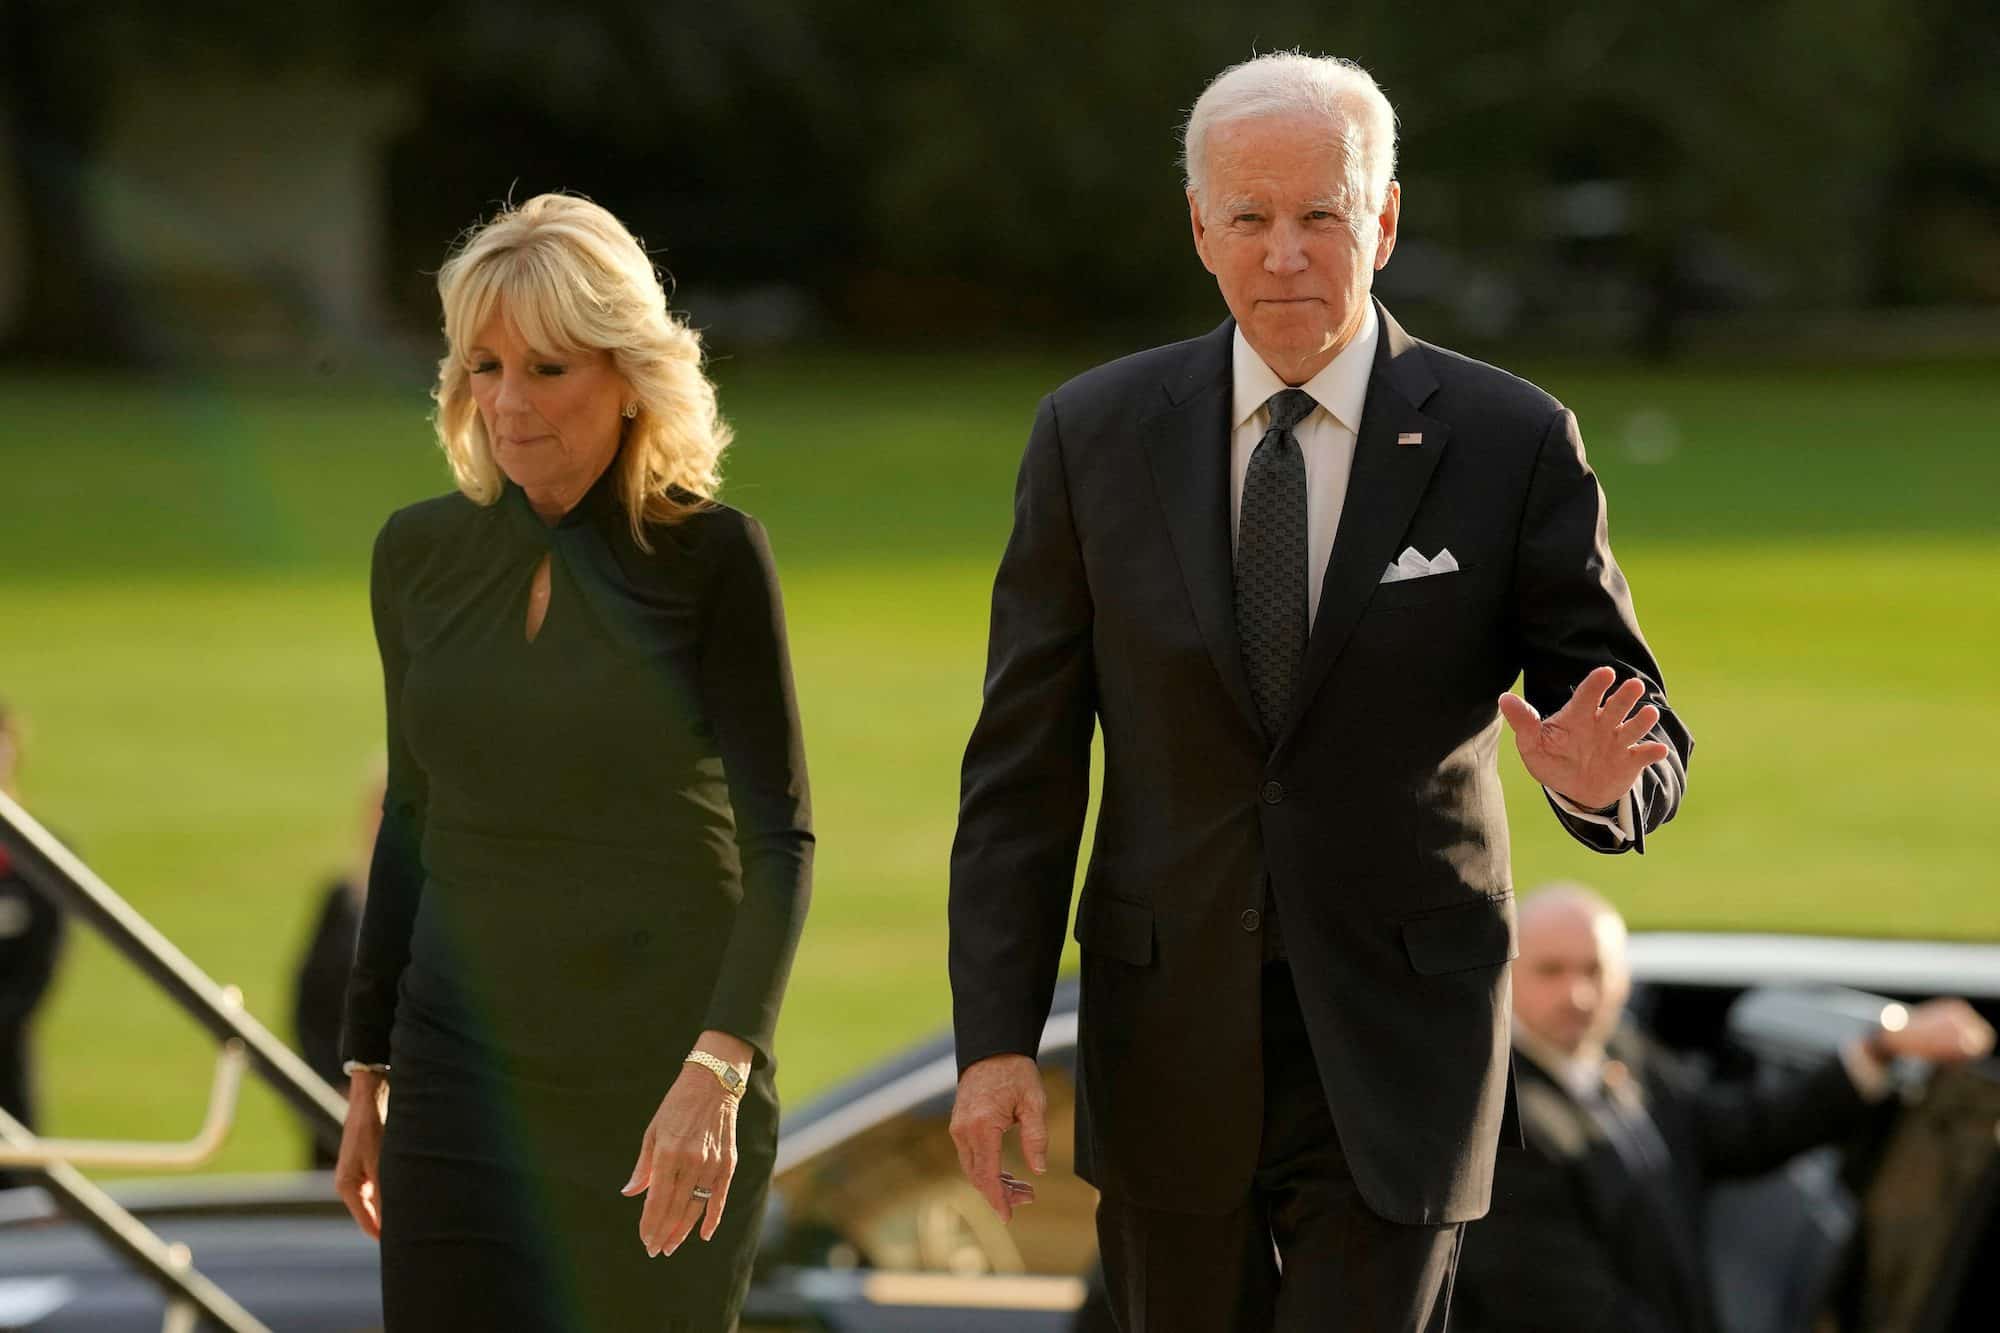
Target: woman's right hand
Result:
[[357, 1173]]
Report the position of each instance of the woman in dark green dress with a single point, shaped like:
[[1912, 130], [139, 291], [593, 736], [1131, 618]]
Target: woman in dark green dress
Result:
[[596, 843]]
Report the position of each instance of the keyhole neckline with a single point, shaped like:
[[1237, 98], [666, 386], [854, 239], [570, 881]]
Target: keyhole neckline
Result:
[[540, 599]]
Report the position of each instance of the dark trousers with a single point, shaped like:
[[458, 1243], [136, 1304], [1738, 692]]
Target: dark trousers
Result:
[[1303, 1254], [17, 1095]]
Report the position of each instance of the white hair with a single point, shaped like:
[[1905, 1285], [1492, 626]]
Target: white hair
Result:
[[1293, 83]]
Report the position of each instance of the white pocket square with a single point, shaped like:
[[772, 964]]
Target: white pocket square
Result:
[[1411, 565]]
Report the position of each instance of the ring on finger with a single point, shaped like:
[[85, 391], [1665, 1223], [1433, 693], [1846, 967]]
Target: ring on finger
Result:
[[702, 1192]]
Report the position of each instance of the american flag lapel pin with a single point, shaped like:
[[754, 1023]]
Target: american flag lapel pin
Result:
[[1410, 437]]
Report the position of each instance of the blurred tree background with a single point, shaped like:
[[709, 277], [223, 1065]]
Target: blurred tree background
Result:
[[1644, 177]]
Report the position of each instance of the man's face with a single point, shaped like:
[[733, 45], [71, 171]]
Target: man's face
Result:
[[1273, 227], [1571, 980]]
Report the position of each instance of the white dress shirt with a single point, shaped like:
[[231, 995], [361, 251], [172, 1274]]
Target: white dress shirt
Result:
[[1326, 438]]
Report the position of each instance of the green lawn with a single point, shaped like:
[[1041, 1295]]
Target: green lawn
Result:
[[183, 574]]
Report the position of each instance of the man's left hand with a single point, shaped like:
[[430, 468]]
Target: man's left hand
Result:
[[1594, 748]]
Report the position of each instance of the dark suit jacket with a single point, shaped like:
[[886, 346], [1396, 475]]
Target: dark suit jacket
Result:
[[31, 939], [319, 990], [319, 993], [1376, 817], [32, 927], [1578, 1241]]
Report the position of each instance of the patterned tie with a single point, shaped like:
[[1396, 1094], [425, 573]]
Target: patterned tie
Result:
[[1271, 561]]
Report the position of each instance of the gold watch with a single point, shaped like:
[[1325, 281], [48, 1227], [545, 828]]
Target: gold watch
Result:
[[725, 1073]]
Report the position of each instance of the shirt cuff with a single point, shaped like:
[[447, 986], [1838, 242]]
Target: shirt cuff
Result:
[[1619, 821], [1870, 1076]]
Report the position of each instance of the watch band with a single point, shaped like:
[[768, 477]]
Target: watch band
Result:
[[725, 1073]]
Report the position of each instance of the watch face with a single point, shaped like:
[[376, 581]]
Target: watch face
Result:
[[732, 1079]]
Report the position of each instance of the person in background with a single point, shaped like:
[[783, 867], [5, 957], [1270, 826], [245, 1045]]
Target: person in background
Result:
[[1597, 1221], [31, 934], [320, 994]]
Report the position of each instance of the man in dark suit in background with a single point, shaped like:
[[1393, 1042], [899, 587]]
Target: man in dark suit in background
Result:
[[319, 988], [31, 935], [1287, 569], [1597, 1222]]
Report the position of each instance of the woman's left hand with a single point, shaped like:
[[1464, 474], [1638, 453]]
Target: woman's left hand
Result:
[[689, 1145]]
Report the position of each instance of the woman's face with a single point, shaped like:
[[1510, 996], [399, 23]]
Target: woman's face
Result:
[[553, 419]]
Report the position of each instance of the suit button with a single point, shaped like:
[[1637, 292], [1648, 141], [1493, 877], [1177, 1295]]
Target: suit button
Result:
[[1274, 792], [1251, 920]]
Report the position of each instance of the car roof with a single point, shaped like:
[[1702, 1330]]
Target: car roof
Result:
[[1714, 958], [281, 1193]]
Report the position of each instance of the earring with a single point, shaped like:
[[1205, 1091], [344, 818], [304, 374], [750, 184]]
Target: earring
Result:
[[631, 410]]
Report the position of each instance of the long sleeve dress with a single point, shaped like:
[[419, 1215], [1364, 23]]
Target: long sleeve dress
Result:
[[595, 845]]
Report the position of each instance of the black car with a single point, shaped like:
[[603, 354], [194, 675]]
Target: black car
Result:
[[871, 1226]]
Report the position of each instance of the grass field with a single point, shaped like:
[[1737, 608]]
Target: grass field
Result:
[[183, 618]]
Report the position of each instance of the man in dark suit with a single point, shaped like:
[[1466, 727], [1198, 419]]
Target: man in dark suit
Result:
[[319, 988], [31, 937], [1287, 568], [1597, 1221]]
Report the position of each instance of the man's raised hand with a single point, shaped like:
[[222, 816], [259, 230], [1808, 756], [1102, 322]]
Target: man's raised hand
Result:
[[1593, 749], [994, 1095]]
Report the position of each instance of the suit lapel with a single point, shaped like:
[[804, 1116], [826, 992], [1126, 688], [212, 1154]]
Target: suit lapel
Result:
[[1567, 1133], [1383, 490], [1187, 444]]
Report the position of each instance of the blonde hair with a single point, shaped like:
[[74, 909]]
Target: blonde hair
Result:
[[573, 278]]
